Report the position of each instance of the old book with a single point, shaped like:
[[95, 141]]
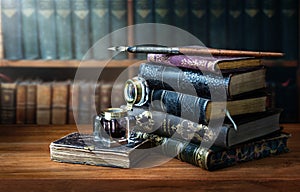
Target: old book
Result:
[[31, 102], [235, 15], [8, 103], [81, 27], [43, 103], [118, 16], [289, 26], [46, 28], [217, 24], [11, 29], [199, 20], [194, 82], [60, 93], [79, 148], [252, 25], [105, 94], [73, 102], [215, 157], [202, 110], [64, 29], [205, 63], [167, 125], [99, 27], [21, 94], [84, 103], [30, 29], [180, 16]]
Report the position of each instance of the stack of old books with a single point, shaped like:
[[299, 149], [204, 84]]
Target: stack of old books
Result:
[[190, 96]]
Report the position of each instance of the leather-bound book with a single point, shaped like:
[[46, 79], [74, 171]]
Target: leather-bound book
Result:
[[43, 103], [73, 103], [84, 103], [31, 102], [21, 93], [105, 94], [60, 92], [8, 103]]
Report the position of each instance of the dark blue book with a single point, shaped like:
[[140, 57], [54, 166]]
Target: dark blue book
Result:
[[64, 29], [217, 24], [289, 27], [46, 28], [81, 28], [199, 20], [235, 24], [180, 14], [118, 12], [30, 29], [99, 27], [11, 29], [271, 27], [252, 25], [143, 13]]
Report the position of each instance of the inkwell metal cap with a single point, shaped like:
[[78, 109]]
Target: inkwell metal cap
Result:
[[136, 92], [113, 113]]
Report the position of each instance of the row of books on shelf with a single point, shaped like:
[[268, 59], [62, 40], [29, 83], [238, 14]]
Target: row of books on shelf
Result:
[[180, 112], [65, 29], [64, 102]]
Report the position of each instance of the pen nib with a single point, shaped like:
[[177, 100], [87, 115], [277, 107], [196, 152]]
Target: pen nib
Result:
[[118, 48]]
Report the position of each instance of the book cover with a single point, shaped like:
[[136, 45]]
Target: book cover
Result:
[[31, 102], [43, 103], [202, 110], [64, 29], [12, 29], [118, 15], [8, 103], [271, 26], [81, 27], [30, 30], [211, 64], [46, 28], [60, 91], [79, 148], [217, 24], [194, 82], [252, 25], [289, 28], [199, 20], [21, 99], [235, 13], [216, 158], [225, 136], [99, 25]]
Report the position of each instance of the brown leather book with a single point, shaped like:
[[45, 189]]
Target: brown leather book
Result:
[[84, 107], [60, 92], [21, 94], [8, 103], [105, 94], [73, 103], [43, 103], [31, 102]]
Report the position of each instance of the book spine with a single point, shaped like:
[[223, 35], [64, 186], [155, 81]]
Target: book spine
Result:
[[1, 34], [235, 28], [60, 93], [81, 22], [199, 20], [8, 103], [105, 94], [180, 14], [73, 103], [290, 32], [179, 104], [252, 25], [31, 103], [99, 27], [216, 158], [43, 103], [29, 29], [183, 80], [21, 93], [64, 29], [12, 29], [84, 105], [143, 13], [118, 14], [270, 26], [46, 28], [217, 24], [95, 99]]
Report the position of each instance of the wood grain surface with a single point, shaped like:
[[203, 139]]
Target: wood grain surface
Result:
[[26, 166]]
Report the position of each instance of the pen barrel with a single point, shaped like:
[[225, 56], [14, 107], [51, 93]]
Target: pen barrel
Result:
[[145, 49]]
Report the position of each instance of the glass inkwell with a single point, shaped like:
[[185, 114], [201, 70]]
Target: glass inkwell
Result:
[[115, 126]]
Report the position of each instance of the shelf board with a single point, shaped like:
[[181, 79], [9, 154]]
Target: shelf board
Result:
[[68, 63], [106, 63]]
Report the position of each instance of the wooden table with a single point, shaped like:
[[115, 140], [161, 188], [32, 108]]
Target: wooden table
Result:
[[26, 166]]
